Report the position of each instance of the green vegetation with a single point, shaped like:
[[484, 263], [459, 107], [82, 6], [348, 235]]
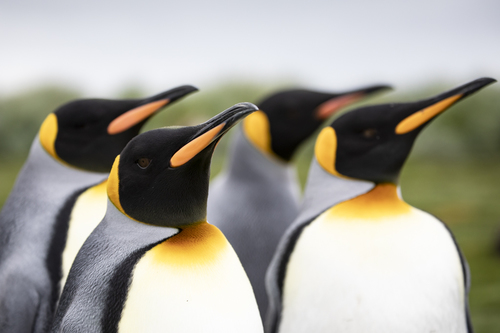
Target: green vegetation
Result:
[[453, 173]]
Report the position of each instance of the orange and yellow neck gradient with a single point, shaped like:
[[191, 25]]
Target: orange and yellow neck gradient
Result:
[[382, 201], [196, 244]]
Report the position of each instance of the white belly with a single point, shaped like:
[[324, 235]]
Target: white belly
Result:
[[399, 274], [88, 211], [213, 296]]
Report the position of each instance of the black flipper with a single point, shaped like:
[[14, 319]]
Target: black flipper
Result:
[[467, 278], [275, 277]]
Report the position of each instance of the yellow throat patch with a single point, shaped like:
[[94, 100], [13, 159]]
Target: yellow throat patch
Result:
[[196, 244], [382, 201]]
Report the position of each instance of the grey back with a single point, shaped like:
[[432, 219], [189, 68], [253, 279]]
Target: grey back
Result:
[[27, 223], [253, 202]]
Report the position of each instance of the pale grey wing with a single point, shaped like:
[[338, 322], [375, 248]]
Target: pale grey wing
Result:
[[276, 272], [19, 299], [30, 238], [18, 307]]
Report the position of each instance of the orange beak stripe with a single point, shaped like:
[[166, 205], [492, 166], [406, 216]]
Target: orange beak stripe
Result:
[[418, 118], [331, 106], [193, 147], [135, 116]]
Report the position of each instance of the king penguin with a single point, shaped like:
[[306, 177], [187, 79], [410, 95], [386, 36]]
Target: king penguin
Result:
[[87, 208], [74, 150], [358, 258], [154, 264], [254, 201]]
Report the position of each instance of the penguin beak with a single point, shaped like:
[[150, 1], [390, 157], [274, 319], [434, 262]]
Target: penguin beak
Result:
[[211, 131], [147, 108], [227, 119], [430, 109], [328, 108]]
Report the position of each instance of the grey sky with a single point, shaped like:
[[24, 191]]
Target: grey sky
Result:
[[103, 45]]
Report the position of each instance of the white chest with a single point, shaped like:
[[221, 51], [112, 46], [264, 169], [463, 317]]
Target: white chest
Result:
[[88, 211], [204, 296], [398, 274]]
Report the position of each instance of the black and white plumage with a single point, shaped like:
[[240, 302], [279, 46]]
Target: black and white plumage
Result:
[[72, 152], [154, 263], [358, 258]]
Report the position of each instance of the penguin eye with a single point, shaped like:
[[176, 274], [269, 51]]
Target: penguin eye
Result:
[[143, 162], [370, 133]]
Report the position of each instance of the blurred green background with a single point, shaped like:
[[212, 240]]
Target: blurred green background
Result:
[[453, 171]]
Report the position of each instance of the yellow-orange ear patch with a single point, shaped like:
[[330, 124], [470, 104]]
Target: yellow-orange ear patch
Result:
[[257, 131], [418, 118], [113, 185], [134, 116], [331, 106], [194, 147], [326, 149], [48, 135]]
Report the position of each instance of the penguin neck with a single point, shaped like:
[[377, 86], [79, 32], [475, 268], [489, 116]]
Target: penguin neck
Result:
[[42, 188], [324, 190], [195, 244], [116, 217], [188, 244], [380, 202], [248, 162], [166, 220], [43, 171]]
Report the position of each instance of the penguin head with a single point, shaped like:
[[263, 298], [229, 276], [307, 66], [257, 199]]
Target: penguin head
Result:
[[89, 133], [372, 143], [287, 118], [161, 177]]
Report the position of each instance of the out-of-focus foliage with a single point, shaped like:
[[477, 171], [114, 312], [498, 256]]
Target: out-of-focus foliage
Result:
[[22, 114]]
